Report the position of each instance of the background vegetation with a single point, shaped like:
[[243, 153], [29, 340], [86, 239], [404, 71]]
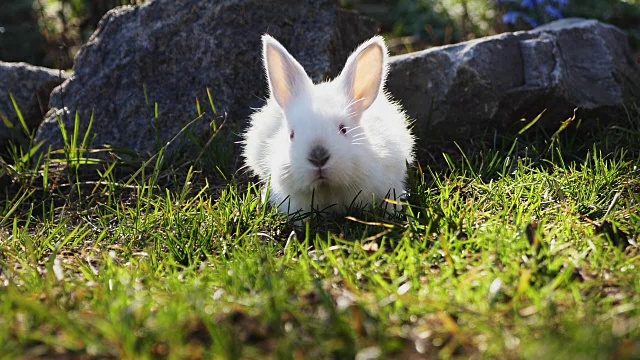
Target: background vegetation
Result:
[[423, 23], [50, 32]]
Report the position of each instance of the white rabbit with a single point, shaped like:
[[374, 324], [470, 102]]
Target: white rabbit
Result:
[[332, 145]]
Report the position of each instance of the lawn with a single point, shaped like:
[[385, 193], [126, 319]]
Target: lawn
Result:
[[519, 247]]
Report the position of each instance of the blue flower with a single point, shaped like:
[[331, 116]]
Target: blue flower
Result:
[[511, 17], [530, 21], [553, 12], [532, 12]]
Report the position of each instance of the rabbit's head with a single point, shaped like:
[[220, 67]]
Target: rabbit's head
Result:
[[321, 145]]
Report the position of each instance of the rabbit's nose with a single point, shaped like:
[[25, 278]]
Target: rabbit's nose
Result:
[[319, 156]]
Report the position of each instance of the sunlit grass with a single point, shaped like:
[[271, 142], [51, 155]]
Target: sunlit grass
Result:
[[524, 250]]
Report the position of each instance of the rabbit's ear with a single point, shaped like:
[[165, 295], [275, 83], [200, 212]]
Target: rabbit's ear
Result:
[[364, 73], [287, 79]]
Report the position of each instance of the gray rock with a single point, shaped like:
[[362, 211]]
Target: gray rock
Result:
[[30, 87], [170, 51], [491, 83]]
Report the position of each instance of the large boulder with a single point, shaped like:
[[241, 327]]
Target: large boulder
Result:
[[30, 87], [170, 51], [491, 83]]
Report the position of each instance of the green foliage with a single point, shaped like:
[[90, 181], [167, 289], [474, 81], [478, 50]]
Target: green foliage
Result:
[[423, 23], [49, 32], [430, 22], [68, 24], [20, 37]]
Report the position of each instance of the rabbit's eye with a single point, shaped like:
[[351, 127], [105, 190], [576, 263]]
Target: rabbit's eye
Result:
[[291, 135], [343, 129]]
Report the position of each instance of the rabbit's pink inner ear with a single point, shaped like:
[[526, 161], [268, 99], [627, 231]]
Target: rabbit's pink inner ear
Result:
[[287, 78], [367, 76], [279, 80]]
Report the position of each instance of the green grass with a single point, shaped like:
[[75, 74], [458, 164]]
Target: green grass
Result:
[[527, 250]]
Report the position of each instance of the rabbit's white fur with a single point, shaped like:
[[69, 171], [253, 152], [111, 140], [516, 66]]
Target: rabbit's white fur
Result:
[[364, 133]]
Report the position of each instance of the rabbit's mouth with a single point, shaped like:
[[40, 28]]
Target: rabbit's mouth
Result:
[[320, 175], [320, 179]]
